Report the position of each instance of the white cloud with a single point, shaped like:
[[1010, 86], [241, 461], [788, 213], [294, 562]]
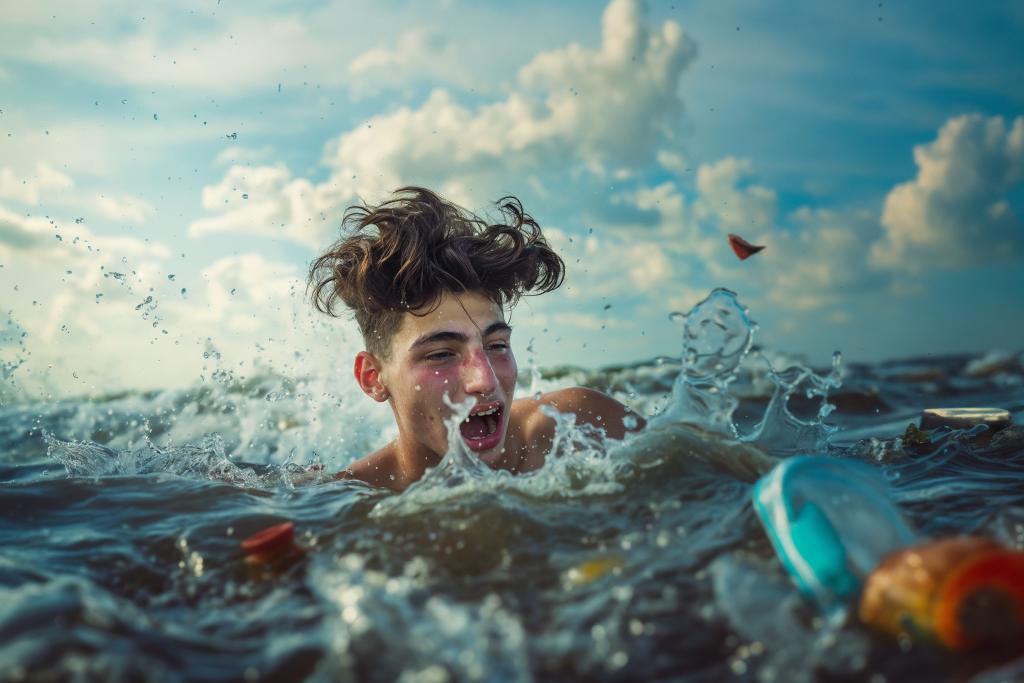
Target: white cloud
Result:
[[417, 52], [231, 53], [818, 259], [20, 233], [27, 189], [90, 303], [124, 208], [955, 213], [248, 291], [267, 200], [821, 263], [614, 107], [602, 266], [732, 208]]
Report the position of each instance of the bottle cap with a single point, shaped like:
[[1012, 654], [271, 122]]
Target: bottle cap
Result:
[[269, 542], [965, 418]]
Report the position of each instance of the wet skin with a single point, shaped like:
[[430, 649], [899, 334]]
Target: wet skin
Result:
[[462, 350]]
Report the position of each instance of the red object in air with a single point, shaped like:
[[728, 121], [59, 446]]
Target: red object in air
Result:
[[743, 248], [270, 541]]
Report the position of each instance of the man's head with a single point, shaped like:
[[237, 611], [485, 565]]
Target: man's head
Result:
[[428, 283]]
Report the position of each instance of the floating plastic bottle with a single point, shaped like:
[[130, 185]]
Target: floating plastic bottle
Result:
[[831, 522], [962, 592]]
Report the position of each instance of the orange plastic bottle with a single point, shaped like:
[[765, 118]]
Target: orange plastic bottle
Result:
[[963, 592]]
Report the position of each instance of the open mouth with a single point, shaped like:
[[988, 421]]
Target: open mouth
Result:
[[482, 429]]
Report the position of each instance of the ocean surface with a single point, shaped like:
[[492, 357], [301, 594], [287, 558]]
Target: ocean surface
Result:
[[122, 519]]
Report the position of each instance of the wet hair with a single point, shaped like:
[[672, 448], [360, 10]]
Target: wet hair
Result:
[[404, 254]]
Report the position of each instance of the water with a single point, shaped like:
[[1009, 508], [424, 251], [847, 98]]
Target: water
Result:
[[120, 557]]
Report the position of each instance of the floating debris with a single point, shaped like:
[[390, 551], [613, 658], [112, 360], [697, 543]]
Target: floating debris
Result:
[[915, 437], [743, 248], [965, 418], [591, 570]]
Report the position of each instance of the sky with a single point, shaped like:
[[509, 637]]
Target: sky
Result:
[[168, 172]]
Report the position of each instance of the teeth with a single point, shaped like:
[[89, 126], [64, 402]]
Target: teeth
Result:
[[492, 411]]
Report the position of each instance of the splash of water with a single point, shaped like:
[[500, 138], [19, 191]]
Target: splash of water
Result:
[[717, 338], [717, 335], [204, 460]]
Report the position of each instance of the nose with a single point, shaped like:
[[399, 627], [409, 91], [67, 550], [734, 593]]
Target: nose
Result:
[[478, 375]]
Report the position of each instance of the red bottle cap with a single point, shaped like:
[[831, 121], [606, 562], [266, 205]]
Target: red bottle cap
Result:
[[270, 541]]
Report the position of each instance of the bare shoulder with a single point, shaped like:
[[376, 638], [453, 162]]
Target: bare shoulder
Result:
[[535, 430], [379, 469]]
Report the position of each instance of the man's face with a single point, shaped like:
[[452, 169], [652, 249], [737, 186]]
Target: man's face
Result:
[[461, 350]]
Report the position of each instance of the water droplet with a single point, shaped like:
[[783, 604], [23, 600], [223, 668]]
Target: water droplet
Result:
[[171, 277]]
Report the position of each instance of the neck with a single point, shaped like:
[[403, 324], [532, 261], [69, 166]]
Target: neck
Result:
[[412, 462]]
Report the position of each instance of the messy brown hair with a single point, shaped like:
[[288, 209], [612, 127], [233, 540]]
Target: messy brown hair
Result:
[[402, 255]]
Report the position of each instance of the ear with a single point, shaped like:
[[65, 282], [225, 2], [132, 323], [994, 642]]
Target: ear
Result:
[[367, 371]]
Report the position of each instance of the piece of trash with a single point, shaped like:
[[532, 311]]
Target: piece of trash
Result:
[[271, 544], [965, 418], [743, 248], [915, 437], [831, 522], [962, 592], [591, 570]]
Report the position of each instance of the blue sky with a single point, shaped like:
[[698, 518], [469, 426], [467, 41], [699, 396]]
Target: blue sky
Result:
[[877, 150]]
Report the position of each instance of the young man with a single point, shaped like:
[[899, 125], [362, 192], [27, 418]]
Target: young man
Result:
[[429, 285]]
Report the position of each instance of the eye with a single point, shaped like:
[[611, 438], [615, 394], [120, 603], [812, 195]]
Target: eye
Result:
[[439, 356], [499, 346]]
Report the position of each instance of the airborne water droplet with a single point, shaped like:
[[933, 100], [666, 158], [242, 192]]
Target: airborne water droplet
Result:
[[171, 277]]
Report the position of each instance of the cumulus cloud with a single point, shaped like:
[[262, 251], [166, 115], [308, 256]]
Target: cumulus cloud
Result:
[[27, 189], [243, 294], [601, 266], [815, 256], [605, 109], [155, 55], [21, 233], [956, 212], [727, 205], [267, 200], [88, 301], [417, 53], [822, 261], [124, 208]]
